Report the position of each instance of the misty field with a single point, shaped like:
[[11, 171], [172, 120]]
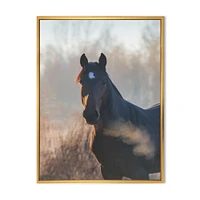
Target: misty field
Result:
[[65, 138], [65, 152]]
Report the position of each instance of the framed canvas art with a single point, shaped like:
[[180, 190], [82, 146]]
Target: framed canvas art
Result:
[[100, 99]]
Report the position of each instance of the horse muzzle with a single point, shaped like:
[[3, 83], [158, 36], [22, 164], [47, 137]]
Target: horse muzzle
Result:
[[91, 117]]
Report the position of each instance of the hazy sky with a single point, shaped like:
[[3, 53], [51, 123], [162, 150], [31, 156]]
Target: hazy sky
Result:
[[70, 38], [127, 32]]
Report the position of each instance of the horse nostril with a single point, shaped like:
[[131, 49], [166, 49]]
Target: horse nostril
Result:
[[91, 116]]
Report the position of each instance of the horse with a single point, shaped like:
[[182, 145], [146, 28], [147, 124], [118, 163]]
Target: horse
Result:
[[126, 138]]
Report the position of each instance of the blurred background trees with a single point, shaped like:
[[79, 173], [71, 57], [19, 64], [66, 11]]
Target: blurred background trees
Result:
[[136, 73]]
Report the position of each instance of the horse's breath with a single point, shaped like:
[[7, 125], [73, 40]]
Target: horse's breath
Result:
[[126, 138], [139, 138]]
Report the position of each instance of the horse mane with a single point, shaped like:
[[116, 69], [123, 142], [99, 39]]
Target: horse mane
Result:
[[114, 87], [79, 75]]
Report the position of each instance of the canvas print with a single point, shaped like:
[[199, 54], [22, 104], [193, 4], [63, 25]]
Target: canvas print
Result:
[[100, 99]]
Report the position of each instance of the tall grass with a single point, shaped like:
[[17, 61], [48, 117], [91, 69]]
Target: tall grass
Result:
[[65, 152]]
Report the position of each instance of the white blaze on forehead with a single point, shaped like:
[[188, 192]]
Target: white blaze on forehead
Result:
[[91, 75]]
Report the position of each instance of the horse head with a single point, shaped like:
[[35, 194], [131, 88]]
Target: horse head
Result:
[[93, 80]]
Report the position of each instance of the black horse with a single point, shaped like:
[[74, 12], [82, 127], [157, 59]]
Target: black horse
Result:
[[126, 138]]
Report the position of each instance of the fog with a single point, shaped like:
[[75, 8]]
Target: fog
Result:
[[135, 71], [133, 65]]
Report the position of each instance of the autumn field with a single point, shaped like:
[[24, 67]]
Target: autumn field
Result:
[[65, 138], [65, 152]]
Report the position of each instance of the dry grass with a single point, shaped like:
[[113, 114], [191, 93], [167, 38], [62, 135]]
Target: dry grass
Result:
[[65, 151]]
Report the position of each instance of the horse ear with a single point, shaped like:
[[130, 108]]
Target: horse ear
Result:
[[103, 61], [83, 60]]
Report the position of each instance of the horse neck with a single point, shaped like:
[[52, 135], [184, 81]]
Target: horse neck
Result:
[[114, 107]]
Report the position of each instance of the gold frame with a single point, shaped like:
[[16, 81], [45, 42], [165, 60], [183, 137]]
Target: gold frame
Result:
[[161, 18]]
